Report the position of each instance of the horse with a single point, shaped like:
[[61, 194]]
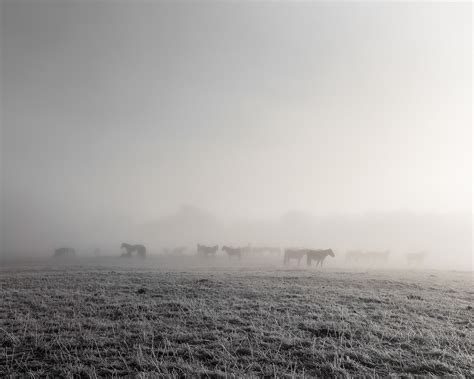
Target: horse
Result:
[[294, 254], [64, 252], [139, 249], [318, 255], [416, 258], [207, 251], [233, 252]]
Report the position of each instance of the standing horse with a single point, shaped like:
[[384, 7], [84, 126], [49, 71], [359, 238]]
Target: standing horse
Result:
[[139, 249], [207, 251], [293, 254], [318, 255], [233, 252]]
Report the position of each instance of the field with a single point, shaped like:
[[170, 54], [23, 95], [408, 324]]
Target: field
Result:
[[116, 319]]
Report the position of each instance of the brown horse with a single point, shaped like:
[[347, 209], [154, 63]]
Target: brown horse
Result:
[[207, 251], [297, 254], [318, 255]]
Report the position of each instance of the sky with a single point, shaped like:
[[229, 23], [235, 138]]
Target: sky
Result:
[[128, 110]]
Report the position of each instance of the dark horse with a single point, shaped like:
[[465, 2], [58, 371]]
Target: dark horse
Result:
[[233, 252], [318, 255], [64, 252], [297, 254], [139, 249], [207, 251]]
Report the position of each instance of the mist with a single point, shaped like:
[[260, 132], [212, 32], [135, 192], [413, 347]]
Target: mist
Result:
[[236, 189], [323, 125]]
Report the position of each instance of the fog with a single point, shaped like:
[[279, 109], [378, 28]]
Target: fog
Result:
[[284, 124]]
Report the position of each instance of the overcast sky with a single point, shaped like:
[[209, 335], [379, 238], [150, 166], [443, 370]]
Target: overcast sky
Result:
[[238, 108]]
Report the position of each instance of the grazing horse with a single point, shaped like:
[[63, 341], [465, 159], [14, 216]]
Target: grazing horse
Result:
[[293, 254], [139, 249], [207, 251], [64, 252], [415, 258], [233, 252], [318, 255]]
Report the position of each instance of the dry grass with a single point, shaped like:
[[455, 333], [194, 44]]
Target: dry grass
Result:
[[105, 322]]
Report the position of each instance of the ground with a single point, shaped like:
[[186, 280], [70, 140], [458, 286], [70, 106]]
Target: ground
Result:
[[105, 320]]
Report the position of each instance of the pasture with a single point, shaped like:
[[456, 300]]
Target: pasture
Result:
[[110, 317]]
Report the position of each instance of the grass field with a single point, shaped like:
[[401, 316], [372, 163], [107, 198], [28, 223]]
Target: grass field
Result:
[[117, 320]]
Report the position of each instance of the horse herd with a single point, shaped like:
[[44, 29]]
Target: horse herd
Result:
[[69, 252], [289, 254], [237, 253], [211, 251], [311, 255]]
